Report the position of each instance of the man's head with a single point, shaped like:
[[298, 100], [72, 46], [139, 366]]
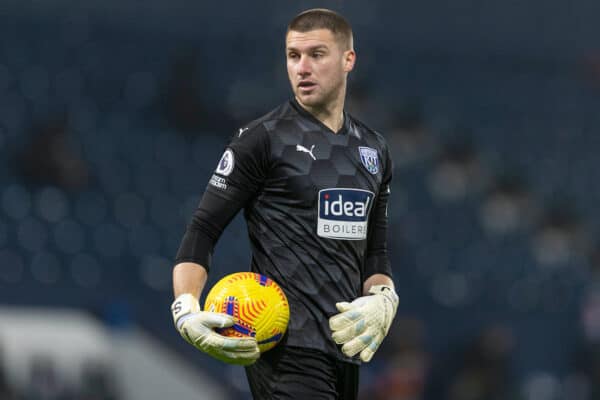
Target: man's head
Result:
[[320, 54]]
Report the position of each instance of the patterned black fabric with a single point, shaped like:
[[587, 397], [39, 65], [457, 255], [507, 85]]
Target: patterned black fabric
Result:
[[315, 203]]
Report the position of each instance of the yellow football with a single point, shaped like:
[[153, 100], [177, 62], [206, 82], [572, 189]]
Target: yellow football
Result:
[[258, 305]]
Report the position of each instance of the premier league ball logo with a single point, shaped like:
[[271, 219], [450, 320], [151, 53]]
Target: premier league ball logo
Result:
[[226, 163], [369, 158]]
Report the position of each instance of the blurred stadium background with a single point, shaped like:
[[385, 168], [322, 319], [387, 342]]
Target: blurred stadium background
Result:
[[113, 115]]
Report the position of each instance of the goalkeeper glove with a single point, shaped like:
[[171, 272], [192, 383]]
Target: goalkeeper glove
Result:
[[196, 327], [361, 325]]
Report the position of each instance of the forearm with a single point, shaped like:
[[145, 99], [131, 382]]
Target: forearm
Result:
[[189, 278], [376, 279]]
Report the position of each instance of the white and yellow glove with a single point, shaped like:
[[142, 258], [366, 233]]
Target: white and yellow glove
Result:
[[197, 328], [361, 325]]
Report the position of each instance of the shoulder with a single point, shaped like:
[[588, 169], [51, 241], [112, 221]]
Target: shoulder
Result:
[[377, 141], [256, 136], [368, 134], [262, 126]]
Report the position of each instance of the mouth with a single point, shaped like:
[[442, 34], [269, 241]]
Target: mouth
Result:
[[306, 85]]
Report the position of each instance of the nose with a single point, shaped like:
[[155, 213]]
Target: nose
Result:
[[303, 67]]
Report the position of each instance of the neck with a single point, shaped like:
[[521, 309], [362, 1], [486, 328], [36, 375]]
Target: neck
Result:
[[330, 114]]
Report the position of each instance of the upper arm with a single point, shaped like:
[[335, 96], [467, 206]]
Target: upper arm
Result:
[[377, 261], [238, 177], [244, 165]]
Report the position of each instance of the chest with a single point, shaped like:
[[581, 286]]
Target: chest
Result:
[[305, 164]]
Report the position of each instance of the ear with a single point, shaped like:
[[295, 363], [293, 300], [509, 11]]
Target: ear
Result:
[[349, 60]]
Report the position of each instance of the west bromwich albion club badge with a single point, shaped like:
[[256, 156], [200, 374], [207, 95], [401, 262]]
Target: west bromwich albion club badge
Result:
[[369, 158]]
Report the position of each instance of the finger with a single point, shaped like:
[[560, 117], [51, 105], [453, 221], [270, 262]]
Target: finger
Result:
[[236, 358], [239, 344], [185, 334], [370, 350], [242, 361], [343, 306], [357, 344], [214, 341], [215, 320], [350, 332], [241, 355], [344, 319]]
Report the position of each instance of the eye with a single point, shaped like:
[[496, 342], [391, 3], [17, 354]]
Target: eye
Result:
[[318, 54], [293, 55]]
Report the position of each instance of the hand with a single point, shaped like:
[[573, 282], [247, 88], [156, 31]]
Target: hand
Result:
[[361, 325], [196, 327]]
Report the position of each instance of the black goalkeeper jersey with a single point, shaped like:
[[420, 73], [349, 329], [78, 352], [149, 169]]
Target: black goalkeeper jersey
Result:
[[315, 202]]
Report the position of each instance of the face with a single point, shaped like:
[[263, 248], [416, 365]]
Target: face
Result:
[[317, 66]]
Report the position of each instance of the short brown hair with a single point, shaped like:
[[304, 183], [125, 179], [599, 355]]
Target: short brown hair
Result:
[[322, 18]]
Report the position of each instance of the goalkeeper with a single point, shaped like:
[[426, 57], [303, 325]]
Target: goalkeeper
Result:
[[314, 185]]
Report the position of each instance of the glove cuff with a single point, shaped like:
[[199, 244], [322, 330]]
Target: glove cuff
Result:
[[184, 305], [386, 291]]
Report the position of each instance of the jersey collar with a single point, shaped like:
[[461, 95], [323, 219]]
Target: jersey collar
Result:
[[302, 111]]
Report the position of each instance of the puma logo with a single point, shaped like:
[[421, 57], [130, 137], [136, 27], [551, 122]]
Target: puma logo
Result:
[[305, 150]]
